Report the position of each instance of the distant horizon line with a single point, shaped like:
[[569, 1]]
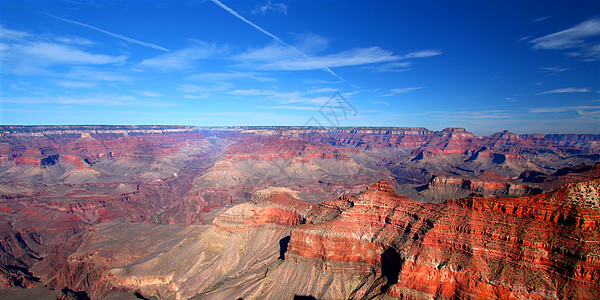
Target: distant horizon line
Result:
[[3, 126]]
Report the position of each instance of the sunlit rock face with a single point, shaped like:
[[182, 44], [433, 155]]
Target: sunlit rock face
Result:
[[371, 244], [473, 247], [181, 212]]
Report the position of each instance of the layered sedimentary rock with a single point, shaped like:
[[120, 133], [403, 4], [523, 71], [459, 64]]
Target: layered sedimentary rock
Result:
[[374, 244], [174, 261], [542, 246], [485, 184], [67, 191]]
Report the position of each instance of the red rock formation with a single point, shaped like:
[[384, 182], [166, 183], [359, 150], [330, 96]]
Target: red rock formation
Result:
[[61, 182], [275, 205], [525, 247]]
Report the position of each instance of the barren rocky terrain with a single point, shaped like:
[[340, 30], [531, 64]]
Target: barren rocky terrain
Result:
[[175, 212]]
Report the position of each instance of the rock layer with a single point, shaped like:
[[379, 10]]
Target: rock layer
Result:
[[67, 191]]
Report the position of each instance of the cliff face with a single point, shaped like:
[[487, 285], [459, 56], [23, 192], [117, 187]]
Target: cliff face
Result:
[[584, 141], [521, 247], [207, 195], [367, 245], [442, 187]]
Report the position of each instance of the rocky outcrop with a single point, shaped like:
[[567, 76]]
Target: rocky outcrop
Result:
[[486, 184], [524, 247], [65, 191], [373, 244], [274, 205], [584, 141]]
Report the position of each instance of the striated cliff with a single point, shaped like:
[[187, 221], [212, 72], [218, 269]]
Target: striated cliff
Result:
[[376, 244], [542, 246], [228, 212]]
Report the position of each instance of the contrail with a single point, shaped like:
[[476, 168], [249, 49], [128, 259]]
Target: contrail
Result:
[[235, 14], [112, 34]]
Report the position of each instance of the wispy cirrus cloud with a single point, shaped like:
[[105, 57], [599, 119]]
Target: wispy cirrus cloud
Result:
[[74, 40], [422, 54], [554, 70], [394, 92], [76, 84], [9, 34], [275, 57], [565, 90], [577, 39], [94, 74], [148, 93], [283, 56], [183, 59], [218, 76], [276, 38], [290, 107], [322, 90], [93, 99], [25, 53], [540, 19], [49, 54], [583, 110], [115, 35], [405, 90], [354, 57], [270, 6], [283, 97], [194, 91], [394, 67]]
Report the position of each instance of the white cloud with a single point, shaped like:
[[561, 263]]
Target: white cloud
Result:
[[582, 110], [251, 92], [405, 90], [565, 90], [47, 53], [322, 90], [394, 92], [282, 60], [540, 19], [576, 37], [283, 97], [290, 107], [276, 7], [27, 54], [381, 102], [75, 40], [128, 39], [147, 93], [310, 43], [89, 99], [554, 70], [276, 38], [422, 54], [394, 67], [193, 91], [76, 84], [93, 74], [182, 59], [276, 57], [8, 34], [229, 75], [524, 38]]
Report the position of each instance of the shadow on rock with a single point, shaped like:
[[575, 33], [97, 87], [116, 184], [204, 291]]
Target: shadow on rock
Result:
[[390, 267], [283, 246]]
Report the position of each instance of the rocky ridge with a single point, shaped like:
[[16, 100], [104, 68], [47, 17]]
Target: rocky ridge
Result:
[[64, 192]]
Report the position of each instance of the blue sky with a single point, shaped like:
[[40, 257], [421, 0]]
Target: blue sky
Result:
[[525, 66]]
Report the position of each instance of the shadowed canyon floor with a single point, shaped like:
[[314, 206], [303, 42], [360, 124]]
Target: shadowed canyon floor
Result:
[[278, 212]]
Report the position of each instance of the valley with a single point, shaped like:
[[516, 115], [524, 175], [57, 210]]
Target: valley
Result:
[[179, 212]]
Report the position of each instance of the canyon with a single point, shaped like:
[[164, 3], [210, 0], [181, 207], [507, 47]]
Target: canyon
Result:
[[180, 212]]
